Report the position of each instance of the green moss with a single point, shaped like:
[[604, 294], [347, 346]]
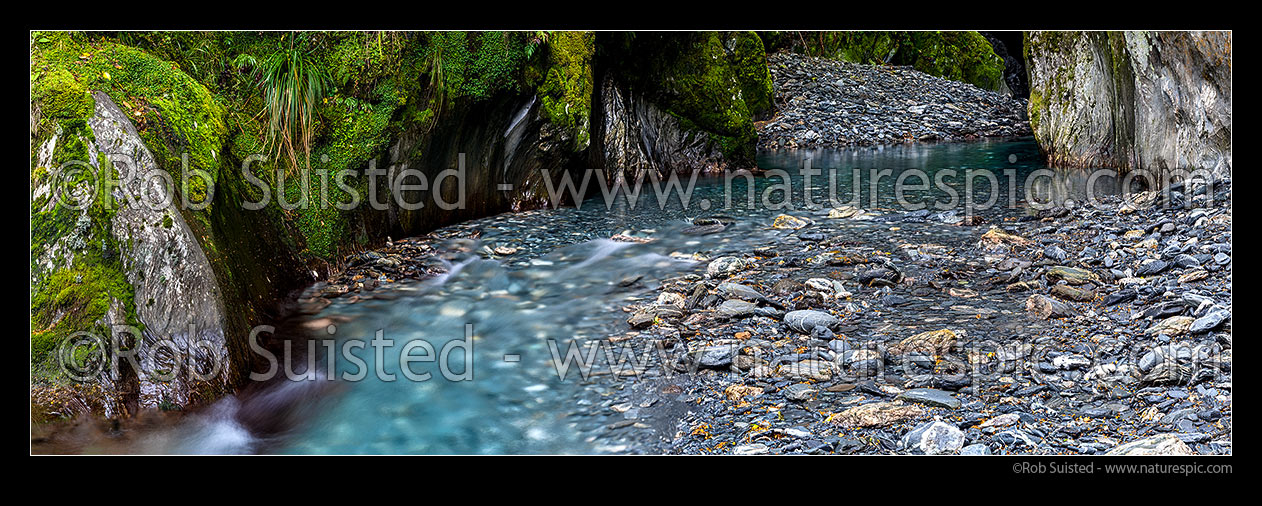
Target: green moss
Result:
[[750, 67], [38, 174], [174, 114], [325, 229], [72, 142], [358, 61], [476, 65], [565, 94], [353, 130], [242, 145], [961, 56], [1036, 108], [76, 299], [48, 226], [715, 82], [61, 96]]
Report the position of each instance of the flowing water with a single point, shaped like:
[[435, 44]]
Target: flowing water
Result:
[[566, 283]]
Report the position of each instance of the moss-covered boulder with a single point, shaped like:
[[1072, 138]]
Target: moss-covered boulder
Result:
[[116, 267], [141, 293]]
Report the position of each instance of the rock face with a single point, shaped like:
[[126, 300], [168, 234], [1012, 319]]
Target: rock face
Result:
[[675, 102], [1007, 45], [173, 292], [506, 139], [177, 295], [638, 136], [1132, 100]]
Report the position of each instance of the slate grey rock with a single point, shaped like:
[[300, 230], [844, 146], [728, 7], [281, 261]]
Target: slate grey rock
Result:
[[931, 397], [735, 308], [805, 320], [1210, 321]]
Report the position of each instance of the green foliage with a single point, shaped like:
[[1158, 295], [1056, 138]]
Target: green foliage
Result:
[[858, 47], [750, 69], [535, 40], [292, 86], [358, 61], [245, 63], [60, 95], [961, 56], [355, 131], [474, 64], [566, 91]]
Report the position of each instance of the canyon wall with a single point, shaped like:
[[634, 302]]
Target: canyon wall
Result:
[[1132, 100]]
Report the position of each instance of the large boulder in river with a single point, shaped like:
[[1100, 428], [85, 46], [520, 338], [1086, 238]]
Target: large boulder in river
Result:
[[118, 267], [1132, 100], [139, 237]]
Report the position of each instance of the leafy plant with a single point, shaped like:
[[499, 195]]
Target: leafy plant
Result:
[[535, 40], [437, 81], [292, 86], [245, 62]]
